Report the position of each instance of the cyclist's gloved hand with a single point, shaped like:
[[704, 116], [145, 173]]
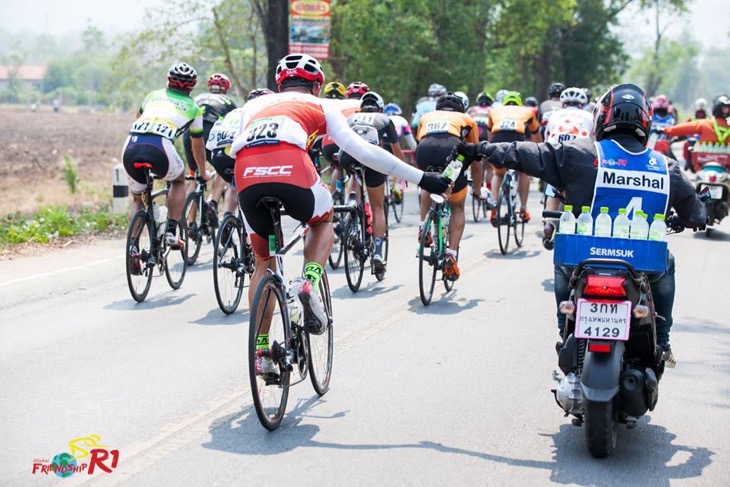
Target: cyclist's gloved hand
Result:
[[434, 182], [469, 151], [675, 223]]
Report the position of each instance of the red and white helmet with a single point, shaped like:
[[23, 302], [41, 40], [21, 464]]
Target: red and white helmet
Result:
[[221, 81], [356, 89], [302, 66], [660, 102]]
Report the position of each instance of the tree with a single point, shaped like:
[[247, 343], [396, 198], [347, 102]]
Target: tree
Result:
[[274, 18]]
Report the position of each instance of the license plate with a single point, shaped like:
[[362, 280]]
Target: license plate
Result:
[[603, 319], [715, 192]]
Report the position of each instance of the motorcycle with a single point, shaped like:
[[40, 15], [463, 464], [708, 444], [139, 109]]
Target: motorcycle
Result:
[[609, 356], [715, 177]]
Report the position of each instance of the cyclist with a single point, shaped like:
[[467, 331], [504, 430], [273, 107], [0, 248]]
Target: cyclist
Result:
[[335, 90], [509, 123], [427, 103], [661, 118], [479, 113], [165, 114], [622, 123], [355, 90], [402, 127], [700, 113], [499, 97], [272, 160], [349, 105], [215, 105], [532, 102], [376, 128], [569, 123], [438, 132], [552, 103]]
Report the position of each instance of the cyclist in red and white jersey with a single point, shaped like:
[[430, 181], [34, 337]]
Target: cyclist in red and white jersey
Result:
[[272, 160]]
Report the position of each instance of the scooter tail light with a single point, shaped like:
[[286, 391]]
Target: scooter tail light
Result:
[[608, 286], [599, 347], [567, 307], [641, 311], [713, 178]]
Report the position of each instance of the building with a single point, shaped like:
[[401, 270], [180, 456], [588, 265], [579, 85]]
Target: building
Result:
[[27, 75]]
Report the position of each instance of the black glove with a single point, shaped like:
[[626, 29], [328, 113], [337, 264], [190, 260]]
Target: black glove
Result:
[[675, 224], [469, 151], [434, 182]]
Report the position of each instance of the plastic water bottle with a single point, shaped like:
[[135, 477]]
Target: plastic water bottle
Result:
[[454, 168], [567, 221], [639, 226], [368, 218], [658, 228], [156, 212], [621, 224], [585, 222], [603, 223], [162, 221]]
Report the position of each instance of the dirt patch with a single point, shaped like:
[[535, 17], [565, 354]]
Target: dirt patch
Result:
[[33, 148]]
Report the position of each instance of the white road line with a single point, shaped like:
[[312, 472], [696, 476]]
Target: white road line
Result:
[[53, 273]]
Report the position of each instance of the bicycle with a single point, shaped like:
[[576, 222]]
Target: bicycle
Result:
[[198, 223], [146, 246], [275, 313], [507, 217], [338, 199], [233, 259], [358, 239], [394, 197], [432, 255]]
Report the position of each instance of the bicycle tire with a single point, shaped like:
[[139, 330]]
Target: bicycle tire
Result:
[[140, 228], [228, 273], [448, 283], [426, 257], [476, 208], [503, 219], [176, 264], [338, 224], [271, 391], [519, 230], [398, 208], [321, 347], [193, 226], [354, 249]]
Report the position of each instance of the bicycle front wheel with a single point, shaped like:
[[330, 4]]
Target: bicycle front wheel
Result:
[[476, 208], [427, 261], [269, 349], [193, 218], [321, 347], [228, 270], [354, 251], [139, 252], [398, 199], [338, 224], [176, 264], [503, 219], [519, 229]]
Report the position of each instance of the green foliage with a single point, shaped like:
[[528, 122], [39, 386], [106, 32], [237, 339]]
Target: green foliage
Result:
[[71, 174]]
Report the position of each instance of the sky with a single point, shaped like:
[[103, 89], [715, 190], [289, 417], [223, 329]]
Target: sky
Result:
[[707, 18]]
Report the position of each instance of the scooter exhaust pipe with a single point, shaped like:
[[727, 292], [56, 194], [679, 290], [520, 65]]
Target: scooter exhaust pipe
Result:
[[633, 392]]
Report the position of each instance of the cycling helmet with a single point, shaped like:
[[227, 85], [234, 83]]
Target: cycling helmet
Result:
[[450, 102], [718, 104], [371, 102], [512, 98], [660, 102], [623, 107], [573, 97], [392, 109], [257, 92], [555, 89], [464, 98], [436, 90], [182, 77], [484, 99], [532, 102], [219, 83], [334, 89], [700, 104], [500, 95], [589, 94], [299, 66], [356, 89]]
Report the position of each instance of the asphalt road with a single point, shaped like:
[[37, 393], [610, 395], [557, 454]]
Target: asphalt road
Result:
[[456, 392]]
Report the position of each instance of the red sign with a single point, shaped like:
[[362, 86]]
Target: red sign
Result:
[[309, 27]]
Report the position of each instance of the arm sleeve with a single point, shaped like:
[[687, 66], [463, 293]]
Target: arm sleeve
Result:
[[685, 201], [543, 160], [684, 129], [371, 155]]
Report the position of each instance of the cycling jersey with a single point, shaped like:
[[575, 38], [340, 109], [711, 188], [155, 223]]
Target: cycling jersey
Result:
[[219, 144], [214, 105], [375, 128], [567, 124], [480, 116], [546, 107], [423, 106], [168, 113], [329, 148], [458, 124], [511, 118]]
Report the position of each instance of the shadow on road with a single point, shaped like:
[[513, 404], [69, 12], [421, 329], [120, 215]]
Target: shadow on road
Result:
[[170, 298], [216, 317], [448, 303], [367, 290], [518, 254]]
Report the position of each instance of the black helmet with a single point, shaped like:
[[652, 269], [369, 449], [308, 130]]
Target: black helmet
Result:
[[484, 99], [623, 107], [717, 105], [450, 102], [182, 77], [531, 101], [555, 89], [371, 102]]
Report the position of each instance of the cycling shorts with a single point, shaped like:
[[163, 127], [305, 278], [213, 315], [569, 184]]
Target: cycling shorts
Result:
[[154, 149], [433, 151], [285, 172], [373, 178], [188, 146], [223, 164], [330, 151], [506, 136]]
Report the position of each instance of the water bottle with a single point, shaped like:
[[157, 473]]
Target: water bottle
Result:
[[567, 221], [621, 224], [585, 222], [156, 212], [454, 168], [658, 228], [162, 221], [603, 223], [639, 226], [368, 218]]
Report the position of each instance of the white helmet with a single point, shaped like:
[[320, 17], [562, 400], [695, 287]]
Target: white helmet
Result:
[[574, 96], [500, 95], [700, 104], [464, 98]]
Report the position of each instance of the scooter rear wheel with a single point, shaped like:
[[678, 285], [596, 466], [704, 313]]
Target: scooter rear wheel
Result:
[[600, 422]]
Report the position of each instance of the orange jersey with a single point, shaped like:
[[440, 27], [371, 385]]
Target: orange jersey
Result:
[[511, 118], [443, 122], [704, 127]]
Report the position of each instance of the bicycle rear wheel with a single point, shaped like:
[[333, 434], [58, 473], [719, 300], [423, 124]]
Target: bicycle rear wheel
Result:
[[338, 224], [427, 262], [354, 251], [270, 385], [519, 229], [321, 347], [476, 208], [228, 271], [176, 261], [397, 199], [139, 275], [193, 217], [503, 219]]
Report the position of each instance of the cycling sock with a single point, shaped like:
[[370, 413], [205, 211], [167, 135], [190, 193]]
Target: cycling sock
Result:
[[378, 245], [451, 252], [313, 271], [171, 227], [214, 205], [262, 342]]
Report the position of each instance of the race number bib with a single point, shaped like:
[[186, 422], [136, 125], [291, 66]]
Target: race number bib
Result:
[[153, 127], [508, 124], [263, 131], [438, 127]]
